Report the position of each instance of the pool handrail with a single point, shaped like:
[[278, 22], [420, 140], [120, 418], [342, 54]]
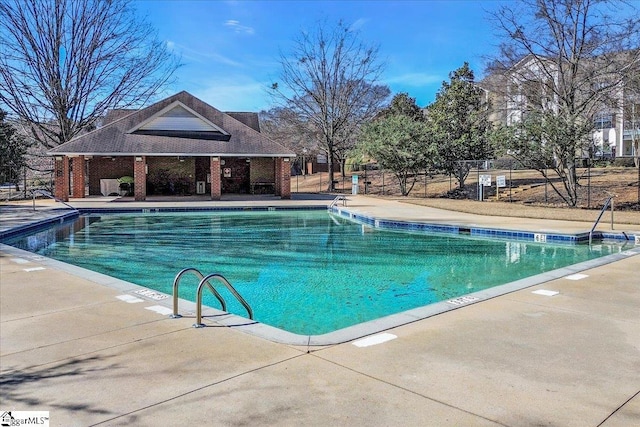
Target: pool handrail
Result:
[[608, 202], [200, 276], [224, 281], [49, 195], [336, 200]]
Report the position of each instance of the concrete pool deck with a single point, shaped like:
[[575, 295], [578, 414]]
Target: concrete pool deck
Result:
[[70, 346]]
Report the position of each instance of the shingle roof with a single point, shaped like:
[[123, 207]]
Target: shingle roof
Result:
[[117, 138], [249, 119], [115, 114]]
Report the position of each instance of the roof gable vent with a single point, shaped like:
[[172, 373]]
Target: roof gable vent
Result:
[[178, 120]]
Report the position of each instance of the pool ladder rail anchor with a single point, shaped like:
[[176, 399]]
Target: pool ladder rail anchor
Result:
[[205, 280]]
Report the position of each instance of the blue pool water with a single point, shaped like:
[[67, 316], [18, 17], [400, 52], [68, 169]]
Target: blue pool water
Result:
[[308, 272]]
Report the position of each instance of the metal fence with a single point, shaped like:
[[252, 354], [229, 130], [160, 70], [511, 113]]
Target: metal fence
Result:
[[21, 184], [487, 182]]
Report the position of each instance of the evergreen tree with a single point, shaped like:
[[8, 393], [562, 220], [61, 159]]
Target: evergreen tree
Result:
[[459, 121], [13, 148], [400, 141]]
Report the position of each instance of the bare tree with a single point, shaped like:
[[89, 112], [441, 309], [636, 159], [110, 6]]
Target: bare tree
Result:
[[283, 125], [64, 63], [632, 116], [562, 62], [329, 81], [632, 122]]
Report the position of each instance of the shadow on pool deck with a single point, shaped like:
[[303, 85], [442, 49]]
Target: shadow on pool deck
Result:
[[71, 347]]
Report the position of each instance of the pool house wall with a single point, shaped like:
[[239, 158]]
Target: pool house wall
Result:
[[172, 175]]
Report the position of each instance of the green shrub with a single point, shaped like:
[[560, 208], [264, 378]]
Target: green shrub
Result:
[[625, 162], [507, 162]]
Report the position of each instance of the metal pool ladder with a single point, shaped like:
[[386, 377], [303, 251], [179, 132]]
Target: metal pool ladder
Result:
[[336, 200], [205, 280]]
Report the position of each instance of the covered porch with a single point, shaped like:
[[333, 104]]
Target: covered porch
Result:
[[81, 176]]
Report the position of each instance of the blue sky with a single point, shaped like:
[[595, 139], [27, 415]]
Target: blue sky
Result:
[[231, 49]]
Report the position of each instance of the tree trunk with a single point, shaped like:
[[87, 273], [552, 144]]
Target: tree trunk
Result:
[[330, 166], [571, 184]]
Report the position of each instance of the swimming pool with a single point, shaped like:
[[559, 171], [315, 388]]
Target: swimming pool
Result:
[[307, 272]]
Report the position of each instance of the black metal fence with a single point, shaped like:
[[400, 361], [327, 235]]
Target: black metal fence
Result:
[[486, 181]]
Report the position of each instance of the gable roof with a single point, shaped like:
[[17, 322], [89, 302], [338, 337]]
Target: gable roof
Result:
[[178, 125], [115, 114], [249, 119]]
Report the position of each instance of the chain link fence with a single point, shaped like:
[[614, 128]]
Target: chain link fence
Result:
[[20, 184], [487, 181]]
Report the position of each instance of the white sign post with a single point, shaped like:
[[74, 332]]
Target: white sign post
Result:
[[485, 181], [500, 182]]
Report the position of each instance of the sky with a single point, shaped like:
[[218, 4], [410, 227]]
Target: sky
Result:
[[231, 50]]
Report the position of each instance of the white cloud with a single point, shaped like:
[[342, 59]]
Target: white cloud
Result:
[[414, 79], [358, 24], [237, 28], [200, 56]]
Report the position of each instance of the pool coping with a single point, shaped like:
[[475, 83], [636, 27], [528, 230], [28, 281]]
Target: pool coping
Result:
[[481, 232], [71, 215], [218, 317]]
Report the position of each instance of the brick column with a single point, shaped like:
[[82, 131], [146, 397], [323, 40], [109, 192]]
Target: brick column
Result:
[[140, 178], [62, 178], [278, 176], [285, 178], [216, 183], [78, 172]]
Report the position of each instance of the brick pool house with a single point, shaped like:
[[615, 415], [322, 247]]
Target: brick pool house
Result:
[[177, 146]]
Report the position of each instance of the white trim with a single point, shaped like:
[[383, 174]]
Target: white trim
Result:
[[171, 107]]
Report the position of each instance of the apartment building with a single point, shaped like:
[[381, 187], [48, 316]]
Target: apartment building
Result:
[[609, 101]]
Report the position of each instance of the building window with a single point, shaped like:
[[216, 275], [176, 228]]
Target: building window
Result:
[[603, 121]]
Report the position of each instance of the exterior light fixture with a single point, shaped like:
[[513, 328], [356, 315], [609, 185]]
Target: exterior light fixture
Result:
[[138, 158]]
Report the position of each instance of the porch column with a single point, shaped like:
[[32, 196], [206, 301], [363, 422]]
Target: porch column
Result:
[[78, 171], [140, 178], [278, 177], [286, 179], [283, 177], [216, 184], [62, 178]]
